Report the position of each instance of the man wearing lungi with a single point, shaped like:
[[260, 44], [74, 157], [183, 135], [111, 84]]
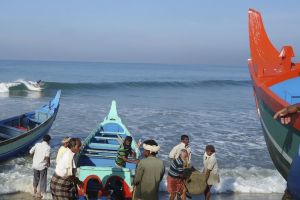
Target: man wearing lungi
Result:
[[64, 180], [175, 185]]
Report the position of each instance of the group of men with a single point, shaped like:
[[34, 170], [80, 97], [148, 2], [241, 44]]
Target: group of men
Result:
[[149, 172], [151, 169]]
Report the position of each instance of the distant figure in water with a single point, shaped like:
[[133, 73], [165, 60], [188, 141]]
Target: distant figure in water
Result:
[[36, 84], [149, 173], [286, 113], [39, 83], [210, 169]]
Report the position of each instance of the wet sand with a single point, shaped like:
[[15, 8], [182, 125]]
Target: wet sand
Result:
[[164, 196]]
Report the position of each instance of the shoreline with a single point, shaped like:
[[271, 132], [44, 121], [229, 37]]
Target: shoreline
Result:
[[164, 196]]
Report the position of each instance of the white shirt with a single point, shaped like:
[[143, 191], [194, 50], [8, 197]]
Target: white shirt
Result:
[[40, 151], [60, 152], [175, 152], [65, 165], [210, 163]]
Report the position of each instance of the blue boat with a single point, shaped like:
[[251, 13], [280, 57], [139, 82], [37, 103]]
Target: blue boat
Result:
[[96, 161], [18, 134]]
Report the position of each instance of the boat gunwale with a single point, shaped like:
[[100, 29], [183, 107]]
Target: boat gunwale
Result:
[[275, 102]]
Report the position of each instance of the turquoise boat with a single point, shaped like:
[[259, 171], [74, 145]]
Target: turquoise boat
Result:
[[19, 133], [96, 161]]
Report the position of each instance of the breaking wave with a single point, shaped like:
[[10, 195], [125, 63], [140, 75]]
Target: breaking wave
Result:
[[28, 85], [146, 84]]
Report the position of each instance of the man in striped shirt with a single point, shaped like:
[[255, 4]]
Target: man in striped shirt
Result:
[[175, 184], [124, 151]]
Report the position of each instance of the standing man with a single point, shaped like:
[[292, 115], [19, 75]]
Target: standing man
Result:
[[184, 144], [149, 173], [175, 184], [63, 182], [40, 164]]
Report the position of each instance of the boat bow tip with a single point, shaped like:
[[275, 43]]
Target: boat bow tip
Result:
[[113, 113]]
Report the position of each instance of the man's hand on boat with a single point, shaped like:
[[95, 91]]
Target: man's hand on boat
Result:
[[131, 160], [286, 113]]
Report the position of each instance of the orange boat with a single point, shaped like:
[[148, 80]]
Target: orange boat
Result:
[[276, 84]]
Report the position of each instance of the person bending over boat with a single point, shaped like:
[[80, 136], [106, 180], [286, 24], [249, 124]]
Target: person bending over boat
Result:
[[286, 113], [175, 185], [63, 182], [63, 148], [210, 169], [149, 173], [40, 164], [124, 151], [184, 144]]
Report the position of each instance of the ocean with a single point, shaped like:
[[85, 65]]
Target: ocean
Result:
[[212, 104]]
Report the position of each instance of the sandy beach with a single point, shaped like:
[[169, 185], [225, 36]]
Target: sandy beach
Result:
[[164, 196]]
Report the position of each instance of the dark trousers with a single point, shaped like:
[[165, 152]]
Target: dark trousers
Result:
[[40, 178]]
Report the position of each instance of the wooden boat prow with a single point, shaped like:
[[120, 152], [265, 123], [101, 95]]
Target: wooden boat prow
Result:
[[266, 59], [276, 81]]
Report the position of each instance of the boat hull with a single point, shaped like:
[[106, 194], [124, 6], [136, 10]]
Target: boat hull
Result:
[[19, 133], [20, 145], [282, 141]]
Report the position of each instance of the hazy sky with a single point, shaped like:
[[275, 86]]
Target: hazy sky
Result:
[[146, 31]]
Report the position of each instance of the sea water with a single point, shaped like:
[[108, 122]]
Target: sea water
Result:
[[212, 104]]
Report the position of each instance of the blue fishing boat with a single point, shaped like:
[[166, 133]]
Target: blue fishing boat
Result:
[[96, 160], [18, 134]]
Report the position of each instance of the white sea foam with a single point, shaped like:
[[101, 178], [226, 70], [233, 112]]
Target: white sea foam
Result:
[[239, 180], [4, 87], [250, 180], [30, 85], [246, 180]]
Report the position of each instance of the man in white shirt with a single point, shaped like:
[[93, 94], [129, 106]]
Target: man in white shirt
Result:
[[63, 148], [184, 144], [64, 179], [40, 164]]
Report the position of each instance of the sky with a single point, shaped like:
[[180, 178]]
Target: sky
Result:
[[141, 31]]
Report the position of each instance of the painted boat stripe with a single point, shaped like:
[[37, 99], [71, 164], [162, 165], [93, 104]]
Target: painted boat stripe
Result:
[[279, 149]]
